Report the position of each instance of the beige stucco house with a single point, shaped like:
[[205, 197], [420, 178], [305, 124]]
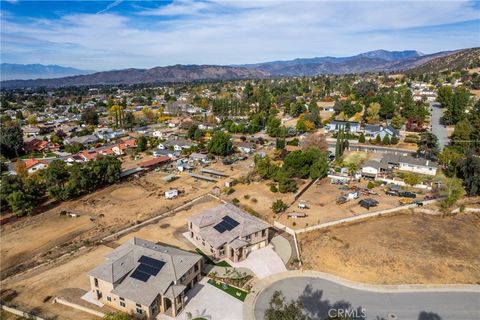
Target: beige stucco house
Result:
[[144, 279], [226, 231]]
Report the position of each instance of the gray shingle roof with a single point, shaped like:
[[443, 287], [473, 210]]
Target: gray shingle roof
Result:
[[209, 218], [395, 158], [124, 260]]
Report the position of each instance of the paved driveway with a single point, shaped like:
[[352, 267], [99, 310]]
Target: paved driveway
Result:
[[438, 128], [319, 296], [211, 303], [263, 262]]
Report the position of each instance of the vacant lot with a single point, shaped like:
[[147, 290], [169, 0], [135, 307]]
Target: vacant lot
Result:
[[407, 248], [322, 207], [257, 195], [32, 240], [68, 278]]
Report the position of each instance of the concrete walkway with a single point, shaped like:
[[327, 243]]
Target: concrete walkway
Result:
[[263, 262], [405, 300]]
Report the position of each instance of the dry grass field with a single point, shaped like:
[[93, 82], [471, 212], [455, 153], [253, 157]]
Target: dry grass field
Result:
[[67, 277], [32, 240], [401, 249], [322, 207]]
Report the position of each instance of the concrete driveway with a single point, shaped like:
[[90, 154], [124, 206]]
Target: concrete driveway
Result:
[[438, 128], [263, 262], [206, 301]]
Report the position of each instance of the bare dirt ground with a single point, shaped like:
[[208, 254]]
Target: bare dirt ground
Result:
[[67, 277], [33, 240], [257, 195], [322, 207], [401, 249]]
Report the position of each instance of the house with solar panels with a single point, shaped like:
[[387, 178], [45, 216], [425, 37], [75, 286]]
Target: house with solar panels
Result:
[[227, 232], [144, 279]]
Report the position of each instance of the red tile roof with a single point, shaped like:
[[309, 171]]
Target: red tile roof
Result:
[[32, 162], [154, 161], [35, 145]]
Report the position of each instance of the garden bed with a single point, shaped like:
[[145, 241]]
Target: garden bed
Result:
[[234, 292]]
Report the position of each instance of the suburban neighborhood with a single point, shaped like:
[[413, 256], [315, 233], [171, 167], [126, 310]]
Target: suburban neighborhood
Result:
[[327, 188]]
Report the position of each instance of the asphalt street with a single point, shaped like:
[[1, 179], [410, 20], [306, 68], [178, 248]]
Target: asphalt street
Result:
[[319, 296]]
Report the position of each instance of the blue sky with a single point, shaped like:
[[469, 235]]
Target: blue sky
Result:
[[105, 35]]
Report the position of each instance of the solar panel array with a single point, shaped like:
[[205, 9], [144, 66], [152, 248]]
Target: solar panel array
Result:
[[148, 267], [227, 223]]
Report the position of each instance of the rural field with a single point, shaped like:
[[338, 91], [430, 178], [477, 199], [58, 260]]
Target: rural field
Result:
[[400, 249], [39, 238], [67, 277], [321, 197]]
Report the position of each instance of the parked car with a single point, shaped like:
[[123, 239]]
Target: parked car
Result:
[[367, 203], [341, 200], [228, 161], [407, 194], [405, 201], [391, 193]]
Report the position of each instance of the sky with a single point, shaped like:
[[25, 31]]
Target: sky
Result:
[[106, 35]]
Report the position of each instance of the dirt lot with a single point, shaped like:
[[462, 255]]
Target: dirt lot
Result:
[[407, 248], [320, 199], [257, 195], [32, 240], [69, 279]]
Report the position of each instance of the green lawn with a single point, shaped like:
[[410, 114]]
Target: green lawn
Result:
[[38, 155], [234, 292], [210, 261]]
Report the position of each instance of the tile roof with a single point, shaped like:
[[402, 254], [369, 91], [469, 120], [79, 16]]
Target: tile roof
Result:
[[122, 262], [209, 218]]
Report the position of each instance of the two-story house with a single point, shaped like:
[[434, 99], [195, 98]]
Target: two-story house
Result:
[[226, 231], [144, 279]]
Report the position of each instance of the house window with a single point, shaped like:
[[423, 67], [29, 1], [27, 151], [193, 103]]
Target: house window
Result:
[[263, 233], [190, 225], [138, 305], [122, 304], [247, 237], [195, 267], [109, 298], [96, 282], [139, 311]]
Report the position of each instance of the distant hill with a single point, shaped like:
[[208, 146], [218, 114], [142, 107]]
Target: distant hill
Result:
[[455, 61], [177, 73], [373, 61], [13, 71]]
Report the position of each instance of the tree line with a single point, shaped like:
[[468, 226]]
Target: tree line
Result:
[[22, 192]]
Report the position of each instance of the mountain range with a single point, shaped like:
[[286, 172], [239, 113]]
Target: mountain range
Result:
[[373, 61], [14, 71]]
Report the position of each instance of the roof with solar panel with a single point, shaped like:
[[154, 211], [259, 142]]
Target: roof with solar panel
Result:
[[226, 223], [141, 269]]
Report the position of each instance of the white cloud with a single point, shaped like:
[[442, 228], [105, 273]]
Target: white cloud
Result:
[[227, 32]]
